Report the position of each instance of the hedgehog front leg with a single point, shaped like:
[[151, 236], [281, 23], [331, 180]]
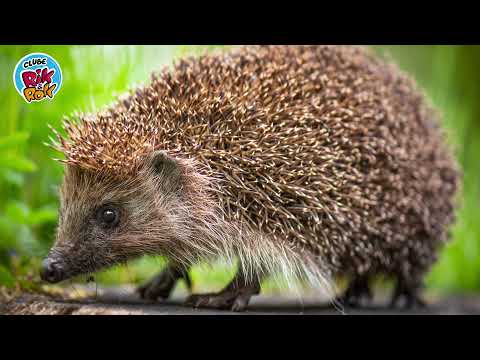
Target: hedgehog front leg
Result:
[[162, 284], [409, 289], [358, 292], [235, 296]]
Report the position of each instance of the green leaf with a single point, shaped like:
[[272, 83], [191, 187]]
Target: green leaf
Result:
[[6, 277], [17, 212], [10, 141], [18, 163], [7, 231], [41, 216], [13, 177]]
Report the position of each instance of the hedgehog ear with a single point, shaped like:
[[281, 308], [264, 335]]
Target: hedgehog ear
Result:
[[165, 165]]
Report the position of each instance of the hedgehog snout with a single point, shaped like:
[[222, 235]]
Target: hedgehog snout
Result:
[[52, 271]]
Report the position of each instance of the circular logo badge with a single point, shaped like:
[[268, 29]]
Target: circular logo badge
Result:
[[37, 77]]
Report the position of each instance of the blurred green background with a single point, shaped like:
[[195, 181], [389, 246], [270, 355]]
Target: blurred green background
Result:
[[94, 74]]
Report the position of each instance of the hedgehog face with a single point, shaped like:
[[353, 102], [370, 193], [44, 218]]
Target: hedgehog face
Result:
[[106, 220]]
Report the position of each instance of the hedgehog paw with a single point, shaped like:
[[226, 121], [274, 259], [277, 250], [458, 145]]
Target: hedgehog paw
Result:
[[220, 301], [409, 294], [358, 293], [235, 296], [162, 285], [411, 301]]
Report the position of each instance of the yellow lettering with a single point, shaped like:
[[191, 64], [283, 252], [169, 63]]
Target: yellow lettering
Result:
[[29, 93], [39, 95], [49, 90]]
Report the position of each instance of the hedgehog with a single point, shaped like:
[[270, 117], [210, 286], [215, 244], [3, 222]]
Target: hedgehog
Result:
[[312, 163]]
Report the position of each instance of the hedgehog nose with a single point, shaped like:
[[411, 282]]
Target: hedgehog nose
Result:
[[51, 271]]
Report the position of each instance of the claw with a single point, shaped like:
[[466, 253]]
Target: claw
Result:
[[412, 301], [235, 296], [220, 301]]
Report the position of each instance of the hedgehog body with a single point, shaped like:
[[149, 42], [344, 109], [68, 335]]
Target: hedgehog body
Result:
[[309, 160]]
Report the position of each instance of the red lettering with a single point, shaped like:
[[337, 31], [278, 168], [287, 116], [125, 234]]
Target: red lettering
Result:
[[29, 78], [47, 77]]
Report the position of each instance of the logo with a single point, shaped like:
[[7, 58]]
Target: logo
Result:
[[37, 77]]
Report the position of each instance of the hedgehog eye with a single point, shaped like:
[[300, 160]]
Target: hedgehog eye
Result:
[[108, 216]]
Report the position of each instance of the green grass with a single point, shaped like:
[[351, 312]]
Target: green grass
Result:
[[94, 74]]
